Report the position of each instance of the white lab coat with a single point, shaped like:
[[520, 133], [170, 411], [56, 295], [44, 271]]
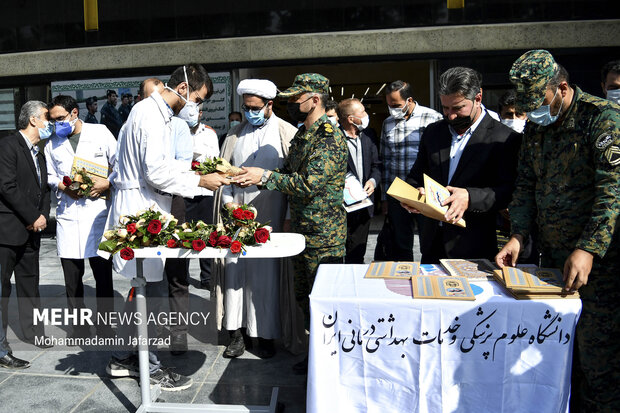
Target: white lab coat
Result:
[[80, 222], [205, 145], [145, 166]]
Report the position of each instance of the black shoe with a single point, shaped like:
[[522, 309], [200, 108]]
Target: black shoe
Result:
[[11, 362], [236, 346], [266, 348], [128, 367], [39, 341], [169, 380], [178, 344], [301, 367]]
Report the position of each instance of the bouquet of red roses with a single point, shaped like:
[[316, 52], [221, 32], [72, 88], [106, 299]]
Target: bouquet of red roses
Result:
[[81, 182]]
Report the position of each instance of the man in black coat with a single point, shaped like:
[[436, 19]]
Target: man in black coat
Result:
[[363, 163], [475, 157], [24, 212]]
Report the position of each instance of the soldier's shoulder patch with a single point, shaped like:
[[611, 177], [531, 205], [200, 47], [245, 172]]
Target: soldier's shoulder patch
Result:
[[612, 154], [603, 141], [328, 127]]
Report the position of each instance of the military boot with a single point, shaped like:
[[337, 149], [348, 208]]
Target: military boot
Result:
[[236, 346]]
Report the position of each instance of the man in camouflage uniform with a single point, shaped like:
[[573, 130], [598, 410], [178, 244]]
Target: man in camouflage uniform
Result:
[[313, 178], [569, 170]]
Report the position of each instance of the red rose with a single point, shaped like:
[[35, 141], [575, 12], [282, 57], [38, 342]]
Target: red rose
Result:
[[198, 245], [171, 243], [154, 227], [223, 241], [248, 215], [238, 214], [195, 165], [127, 253], [66, 181], [131, 228], [235, 247], [261, 235], [213, 239]]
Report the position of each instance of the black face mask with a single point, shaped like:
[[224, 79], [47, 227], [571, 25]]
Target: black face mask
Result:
[[296, 113], [462, 122]]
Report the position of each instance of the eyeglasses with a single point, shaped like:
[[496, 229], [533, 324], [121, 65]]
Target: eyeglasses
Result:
[[60, 118], [246, 108]]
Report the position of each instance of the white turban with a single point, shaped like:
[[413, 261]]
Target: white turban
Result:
[[259, 87]]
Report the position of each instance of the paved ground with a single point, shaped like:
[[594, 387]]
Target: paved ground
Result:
[[75, 380]]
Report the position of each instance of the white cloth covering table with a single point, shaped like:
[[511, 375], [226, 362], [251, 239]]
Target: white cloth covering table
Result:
[[373, 348]]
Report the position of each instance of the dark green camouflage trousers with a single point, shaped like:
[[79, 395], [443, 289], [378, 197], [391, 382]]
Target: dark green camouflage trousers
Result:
[[306, 265]]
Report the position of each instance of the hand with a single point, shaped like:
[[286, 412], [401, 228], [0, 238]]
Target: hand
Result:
[[369, 188], [411, 210], [100, 185], [72, 193], [507, 257], [38, 225], [459, 202], [286, 227], [231, 205], [251, 176], [213, 181], [577, 269]]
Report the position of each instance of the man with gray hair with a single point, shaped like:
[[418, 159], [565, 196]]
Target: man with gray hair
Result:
[[475, 157], [24, 211]]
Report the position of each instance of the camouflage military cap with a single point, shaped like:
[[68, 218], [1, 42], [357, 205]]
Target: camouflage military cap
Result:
[[530, 74], [307, 82]]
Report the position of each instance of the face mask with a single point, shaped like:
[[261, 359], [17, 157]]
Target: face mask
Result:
[[190, 111], [333, 120], [365, 121], [542, 115], [234, 123], [614, 95], [255, 118], [64, 129], [296, 113], [47, 131], [462, 122], [515, 124], [399, 113]]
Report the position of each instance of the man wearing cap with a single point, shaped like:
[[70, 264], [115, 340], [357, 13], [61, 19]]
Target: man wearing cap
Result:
[[313, 178], [91, 107], [569, 171], [109, 114], [251, 286]]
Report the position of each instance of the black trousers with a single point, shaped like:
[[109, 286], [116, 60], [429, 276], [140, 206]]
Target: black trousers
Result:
[[201, 207], [358, 224], [73, 269], [404, 226], [24, 261]]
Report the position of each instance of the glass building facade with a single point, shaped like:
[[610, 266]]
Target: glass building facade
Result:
[[31, 25]]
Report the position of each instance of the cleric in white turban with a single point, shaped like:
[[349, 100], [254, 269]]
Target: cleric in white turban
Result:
[[258, 87], [247, 291]]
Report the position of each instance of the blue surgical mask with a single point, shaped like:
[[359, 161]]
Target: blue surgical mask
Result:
[[64, 128], [255, 118], [542, 115], [47, 131], [234, 123], [614, 95]]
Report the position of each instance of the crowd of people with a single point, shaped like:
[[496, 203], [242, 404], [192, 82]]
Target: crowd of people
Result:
[[548, 161]]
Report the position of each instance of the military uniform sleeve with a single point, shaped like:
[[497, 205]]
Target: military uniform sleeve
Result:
[[324, 161], [599, 229], [523, 206]]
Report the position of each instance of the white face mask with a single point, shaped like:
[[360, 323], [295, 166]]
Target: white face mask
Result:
[[333, 120], [190, 111], [365, 121], [515, 124], [399, 113], [614, 95]]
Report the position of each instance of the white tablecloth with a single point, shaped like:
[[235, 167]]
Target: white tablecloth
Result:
[[373, 348]]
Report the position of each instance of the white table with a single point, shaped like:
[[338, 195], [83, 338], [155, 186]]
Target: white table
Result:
[[280, 245], [373, 348]]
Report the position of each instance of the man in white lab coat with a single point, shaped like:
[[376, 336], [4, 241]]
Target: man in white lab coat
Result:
[[80, 220], [145, 175]]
